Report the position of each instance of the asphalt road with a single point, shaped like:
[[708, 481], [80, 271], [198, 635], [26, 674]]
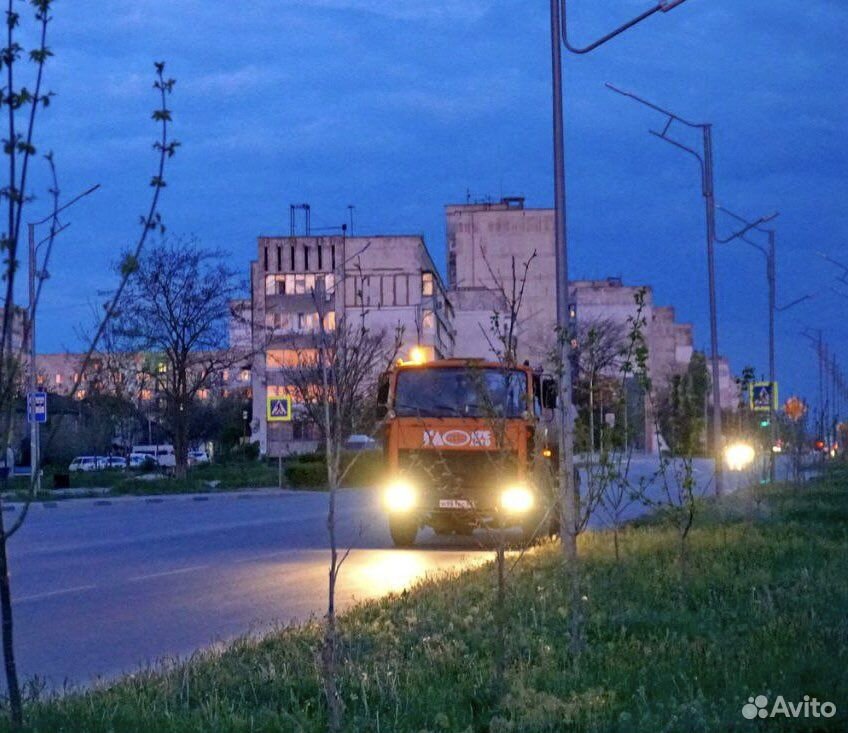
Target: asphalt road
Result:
[[101, 589]]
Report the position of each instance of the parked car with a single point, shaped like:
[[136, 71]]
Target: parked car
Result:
[[116, 462], [197, 456], [142, 460], [102, 462], [360, 442], [83, 463]]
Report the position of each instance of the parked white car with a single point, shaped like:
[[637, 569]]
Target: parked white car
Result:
[[116, 462], [83, 463], [197, 456], [138, 460]]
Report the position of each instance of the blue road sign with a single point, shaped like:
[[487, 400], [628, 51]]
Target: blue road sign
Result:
[[279, 409], [37, 407]]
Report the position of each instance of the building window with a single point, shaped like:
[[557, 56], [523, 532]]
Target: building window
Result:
[[58, 379], [146, 395], [225, 375], [266, 259], [427, 284], [203, 394], [320, 251], [161, 368], [291, 258], [81, 394], [306, 258], [279, 258], [428, 320], [330, 321], [309, 283], [244, 375], [299, 285], [333, 253]]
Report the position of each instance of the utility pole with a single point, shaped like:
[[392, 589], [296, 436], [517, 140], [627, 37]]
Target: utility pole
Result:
[[569, 497]]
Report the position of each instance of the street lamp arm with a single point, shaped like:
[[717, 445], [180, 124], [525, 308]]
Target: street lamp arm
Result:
[[67, 205], [653, 106], [832, 261], [609, 36], [746, 229], [672, 141], [795, 302]]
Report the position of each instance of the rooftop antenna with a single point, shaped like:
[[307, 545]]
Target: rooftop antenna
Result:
[[350, 208], [307, 215]]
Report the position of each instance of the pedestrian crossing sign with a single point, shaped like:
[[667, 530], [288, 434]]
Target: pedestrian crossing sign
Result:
[[279, 409]]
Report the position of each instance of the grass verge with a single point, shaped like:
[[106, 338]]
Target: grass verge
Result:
[[763, 611]]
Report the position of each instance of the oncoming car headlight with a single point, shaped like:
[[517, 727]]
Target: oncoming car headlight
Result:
[[517, 499], [399, 496]]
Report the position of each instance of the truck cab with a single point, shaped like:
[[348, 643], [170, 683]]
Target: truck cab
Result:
[[463, 448]]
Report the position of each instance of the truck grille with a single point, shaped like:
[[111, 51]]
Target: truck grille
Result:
[[459, 473]]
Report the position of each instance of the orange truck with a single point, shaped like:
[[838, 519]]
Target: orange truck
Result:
[[465, 447]]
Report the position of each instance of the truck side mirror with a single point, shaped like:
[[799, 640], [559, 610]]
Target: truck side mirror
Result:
[[383, 397], [549, 393]]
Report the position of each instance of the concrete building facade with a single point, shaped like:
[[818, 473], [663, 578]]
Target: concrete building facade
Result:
[[390, 282]]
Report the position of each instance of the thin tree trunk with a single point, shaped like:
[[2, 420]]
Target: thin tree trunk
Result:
[[9, 663], [615, 541], [500, 619]]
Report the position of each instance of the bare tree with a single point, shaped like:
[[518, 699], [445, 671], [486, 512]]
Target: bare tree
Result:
[[177, 307], [19, 147], [335, 381]]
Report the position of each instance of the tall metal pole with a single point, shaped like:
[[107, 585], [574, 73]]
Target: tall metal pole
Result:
[[34, 433], [772, 283], [709, 198], [568, 494]]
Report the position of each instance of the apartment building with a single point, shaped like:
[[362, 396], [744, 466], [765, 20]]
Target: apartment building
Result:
[[389, 282]]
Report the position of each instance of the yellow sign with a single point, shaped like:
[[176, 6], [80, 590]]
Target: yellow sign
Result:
[[279, 409]]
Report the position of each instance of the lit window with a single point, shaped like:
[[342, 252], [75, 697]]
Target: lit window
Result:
[[203, 394], [428, 320], [244, 375], [58, 379], [330, 321], [309, 283], [427, 283], [81, 394], [225, 375], [161, 367], [146, 394]]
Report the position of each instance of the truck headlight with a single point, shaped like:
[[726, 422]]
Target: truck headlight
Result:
[[517, 499], [400, 496]]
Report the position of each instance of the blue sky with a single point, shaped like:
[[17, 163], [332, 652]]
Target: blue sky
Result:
[[400, 107]]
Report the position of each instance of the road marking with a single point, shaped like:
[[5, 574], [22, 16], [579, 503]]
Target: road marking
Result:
[[139, 578], [50, 594], [269, 555]]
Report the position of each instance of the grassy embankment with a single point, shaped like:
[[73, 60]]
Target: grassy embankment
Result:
[[302, 472], [763, 612]]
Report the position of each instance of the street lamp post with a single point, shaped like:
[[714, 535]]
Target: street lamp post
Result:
[[569, 500], [770, 254], [36, 278], [705, 159]]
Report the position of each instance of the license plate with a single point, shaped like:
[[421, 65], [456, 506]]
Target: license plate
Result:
[[455, 504]]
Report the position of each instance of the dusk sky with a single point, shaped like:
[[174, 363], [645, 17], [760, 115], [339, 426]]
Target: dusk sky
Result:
[[401, 107]]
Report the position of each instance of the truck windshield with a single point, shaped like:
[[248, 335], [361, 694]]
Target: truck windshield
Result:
[[461, 392]]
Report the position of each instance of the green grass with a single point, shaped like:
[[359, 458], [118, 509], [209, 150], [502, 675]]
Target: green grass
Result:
[[763, 612]]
